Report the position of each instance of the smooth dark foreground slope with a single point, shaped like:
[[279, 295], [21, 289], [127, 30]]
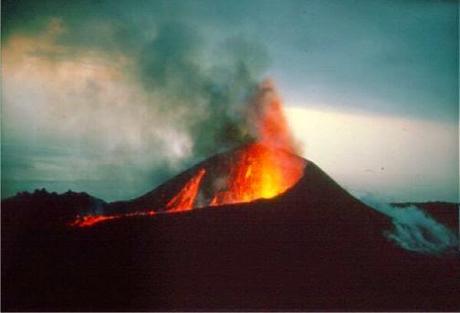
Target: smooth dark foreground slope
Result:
[[314, 248]]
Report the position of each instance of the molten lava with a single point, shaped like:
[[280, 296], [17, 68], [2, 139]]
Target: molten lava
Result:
[[259, 172], [185, 199], [91, 220], [267, 117]]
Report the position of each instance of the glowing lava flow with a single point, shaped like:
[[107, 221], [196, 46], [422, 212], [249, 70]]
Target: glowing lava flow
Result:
[[91, 220], [260, 172], [269, 166], [185, 199]]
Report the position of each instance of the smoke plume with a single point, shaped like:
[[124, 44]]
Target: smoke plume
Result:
[[414, 229], [210, 97], [129, 110]]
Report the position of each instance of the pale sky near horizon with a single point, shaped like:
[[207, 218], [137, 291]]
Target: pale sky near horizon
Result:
[[106, 97]]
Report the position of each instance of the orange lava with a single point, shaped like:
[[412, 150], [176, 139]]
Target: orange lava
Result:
[[267, 115], [269, 166], [91, 220], [260, 172], [185, 199]]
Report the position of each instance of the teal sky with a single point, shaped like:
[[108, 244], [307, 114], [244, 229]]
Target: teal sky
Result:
[[95, 93]]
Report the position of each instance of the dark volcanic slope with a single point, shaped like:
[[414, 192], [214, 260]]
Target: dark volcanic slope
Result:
[[29, 212], [314, 248]]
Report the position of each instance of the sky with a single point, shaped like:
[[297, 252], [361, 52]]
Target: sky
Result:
[[113, 98]]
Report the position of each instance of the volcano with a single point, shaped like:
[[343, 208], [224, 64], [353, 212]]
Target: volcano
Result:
[[254, 228], [263, 168], [245, 174], [312, 247], [313, 192]]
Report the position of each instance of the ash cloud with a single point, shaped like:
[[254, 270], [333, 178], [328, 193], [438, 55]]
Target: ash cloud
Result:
[[210, 93], [130, 101]]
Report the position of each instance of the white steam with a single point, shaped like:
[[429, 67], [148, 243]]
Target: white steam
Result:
[[414, 229]]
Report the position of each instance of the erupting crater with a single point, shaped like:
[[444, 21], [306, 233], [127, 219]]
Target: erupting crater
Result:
[[259, 172], [261, 169]]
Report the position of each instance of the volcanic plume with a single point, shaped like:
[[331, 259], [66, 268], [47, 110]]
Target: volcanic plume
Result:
[[266, 167], [263, 168]]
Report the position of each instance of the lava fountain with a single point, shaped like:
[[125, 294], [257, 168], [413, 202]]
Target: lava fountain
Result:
[[261, 169], [264, 168]]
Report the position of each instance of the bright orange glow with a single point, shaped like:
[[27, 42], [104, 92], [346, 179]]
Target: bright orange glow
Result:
[[185, 199], [259, 172], [91, 220], [272, 128], [269, 166]]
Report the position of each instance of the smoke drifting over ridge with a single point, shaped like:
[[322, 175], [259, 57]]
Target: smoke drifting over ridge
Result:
[[138, 114], [414, 229]]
